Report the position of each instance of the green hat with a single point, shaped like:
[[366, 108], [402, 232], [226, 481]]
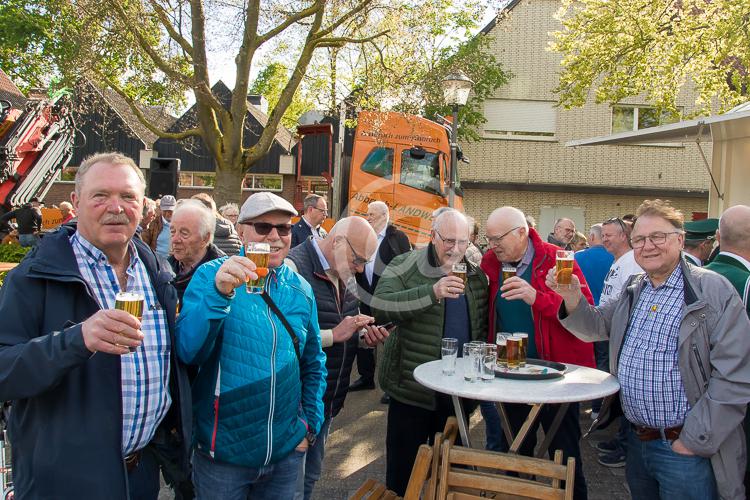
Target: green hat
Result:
[[699, 230]]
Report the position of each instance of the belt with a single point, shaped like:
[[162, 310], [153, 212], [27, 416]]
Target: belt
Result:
[[650, 434], [132, 461]]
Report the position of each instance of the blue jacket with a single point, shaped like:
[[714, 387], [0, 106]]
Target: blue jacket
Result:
[[65, 426], [595, 263], [253, 401]]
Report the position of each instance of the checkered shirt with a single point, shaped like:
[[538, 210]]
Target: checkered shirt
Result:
[[651, 386], [144, 373]]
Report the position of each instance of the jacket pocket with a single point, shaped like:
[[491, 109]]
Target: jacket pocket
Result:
[[703, 380]]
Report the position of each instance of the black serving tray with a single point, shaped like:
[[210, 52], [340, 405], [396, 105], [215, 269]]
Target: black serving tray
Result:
[[553, 370]]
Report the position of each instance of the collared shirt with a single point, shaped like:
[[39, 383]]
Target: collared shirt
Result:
[[526, 260], [144, 374], [695, 260], [163, 239], [370, 266], [315, 231], [743, 260], [652, 391]]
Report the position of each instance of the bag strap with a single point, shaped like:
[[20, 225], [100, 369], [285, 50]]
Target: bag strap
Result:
[[295, 340]]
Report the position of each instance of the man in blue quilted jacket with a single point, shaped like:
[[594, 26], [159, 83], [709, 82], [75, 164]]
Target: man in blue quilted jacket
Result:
[[258, 397]]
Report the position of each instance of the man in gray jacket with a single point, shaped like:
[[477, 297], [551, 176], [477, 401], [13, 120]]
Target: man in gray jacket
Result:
[[678, 343]]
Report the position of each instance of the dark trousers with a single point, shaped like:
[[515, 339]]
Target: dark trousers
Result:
[[601, 354], [143, 480], [408, 428], [567, 438], [366, 364]]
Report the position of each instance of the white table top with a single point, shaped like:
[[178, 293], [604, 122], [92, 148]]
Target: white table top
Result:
[[578, 384]]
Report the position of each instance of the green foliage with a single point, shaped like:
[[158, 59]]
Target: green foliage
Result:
[[270, 83], [629, 47], [11, 253]]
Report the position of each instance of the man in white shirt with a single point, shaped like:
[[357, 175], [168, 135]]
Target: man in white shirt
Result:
[[315, 212]]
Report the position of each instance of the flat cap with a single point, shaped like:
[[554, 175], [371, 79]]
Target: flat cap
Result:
[[167, 202], [262, 203], [699, 230]]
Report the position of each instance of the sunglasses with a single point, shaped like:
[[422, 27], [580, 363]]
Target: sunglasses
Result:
[[264, 228], [617, 220]]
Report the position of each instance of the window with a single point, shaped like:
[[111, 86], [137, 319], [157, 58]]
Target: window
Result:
[[379, 162], [197, 179], [520, 119], [259, 182], [421, 173], [630, 118]]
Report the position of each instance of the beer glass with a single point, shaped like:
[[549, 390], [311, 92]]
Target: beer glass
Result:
[[459, 270], [489, 357], [524, 347], [448, 353], [502, 349], [259, 254], [509, 271], [513, 348], [564, 270], [132, 303]]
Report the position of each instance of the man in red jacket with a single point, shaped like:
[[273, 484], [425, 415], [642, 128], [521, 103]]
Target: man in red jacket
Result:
[[525, 304]]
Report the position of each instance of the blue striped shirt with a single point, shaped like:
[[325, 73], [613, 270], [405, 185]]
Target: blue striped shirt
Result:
[[145, 373], [652, 391]]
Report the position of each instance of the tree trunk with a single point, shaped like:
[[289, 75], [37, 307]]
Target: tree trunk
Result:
[[228, 186]]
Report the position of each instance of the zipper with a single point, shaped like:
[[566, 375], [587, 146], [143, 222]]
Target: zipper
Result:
[[700, 364], [269, 428], [217, 393]]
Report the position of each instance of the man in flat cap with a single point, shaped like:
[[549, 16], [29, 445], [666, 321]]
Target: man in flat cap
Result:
[[699, 240]]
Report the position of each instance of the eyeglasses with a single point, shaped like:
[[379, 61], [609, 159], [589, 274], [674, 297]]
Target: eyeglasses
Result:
[[324, 210], [264, 228], [358, 259], [617, 220], [658, 238], [450, 243], [495, 240]]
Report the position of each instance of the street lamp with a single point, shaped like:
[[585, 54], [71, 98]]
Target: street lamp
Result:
[[456, 88]]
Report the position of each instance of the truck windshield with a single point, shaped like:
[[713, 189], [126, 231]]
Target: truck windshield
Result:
[[421, 173], [379, 162]]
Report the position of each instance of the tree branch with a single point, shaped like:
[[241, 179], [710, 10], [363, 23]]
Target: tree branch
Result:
[[348, 15], [288, 22], [340, 41], [174, 34]]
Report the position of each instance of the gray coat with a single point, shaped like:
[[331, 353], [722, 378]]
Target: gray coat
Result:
[[714, 348]]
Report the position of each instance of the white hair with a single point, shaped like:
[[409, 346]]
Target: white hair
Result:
[[514, 215], [448, 213], [596, 230], [206, 217], [383, 207]]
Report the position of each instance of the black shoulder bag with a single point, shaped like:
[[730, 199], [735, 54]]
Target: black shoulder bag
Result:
[[295, 340]]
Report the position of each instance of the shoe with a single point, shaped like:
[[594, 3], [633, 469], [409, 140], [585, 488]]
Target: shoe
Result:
[[361, 385], [385, 399], [613, 460], [608, 446]]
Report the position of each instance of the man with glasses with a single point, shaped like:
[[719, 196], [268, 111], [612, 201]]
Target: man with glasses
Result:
[[563, 233], [679, 346], [418, 293], [330, 265], [315, 212], [259, 389], [700, 236], [524, 303]]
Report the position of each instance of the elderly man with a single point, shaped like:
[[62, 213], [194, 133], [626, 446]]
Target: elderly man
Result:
[[563, 232], [157, 235], [67, 212], [94, 389], [391, 242], [419, 294], [262, 376], [192, 230], [679, 346], [700, 236], [315, 212], [330, 266], [524, 303]]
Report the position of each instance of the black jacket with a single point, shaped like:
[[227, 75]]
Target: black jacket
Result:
[[394, 243], [226, 238], [181, 281], [28, 219], [301, 232], [331, 311], [66, 422]]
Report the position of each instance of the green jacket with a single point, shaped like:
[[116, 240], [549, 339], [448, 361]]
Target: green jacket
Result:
[[405, 296], [737, 274]]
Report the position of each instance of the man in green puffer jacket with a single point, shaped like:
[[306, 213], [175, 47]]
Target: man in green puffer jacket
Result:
[[417, 292]]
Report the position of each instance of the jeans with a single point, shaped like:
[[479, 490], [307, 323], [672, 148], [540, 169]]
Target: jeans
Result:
[[493, 426], [28, 240], [654, 471], [233, 482], [312, 464], [143, 481]]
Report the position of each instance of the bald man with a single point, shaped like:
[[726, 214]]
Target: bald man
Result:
[[330, 265], [524, 303], [418, 292]]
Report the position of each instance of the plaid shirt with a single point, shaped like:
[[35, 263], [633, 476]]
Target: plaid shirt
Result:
[[652, 391], [144, 373]]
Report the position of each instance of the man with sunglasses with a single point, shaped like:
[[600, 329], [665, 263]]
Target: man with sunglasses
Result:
[[524, 303], [258, 393], [679, 345], [330, 265], [315, 212]]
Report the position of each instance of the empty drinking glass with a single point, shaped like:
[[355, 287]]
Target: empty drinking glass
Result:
[[448, 353], [489, 357], [472, 355]]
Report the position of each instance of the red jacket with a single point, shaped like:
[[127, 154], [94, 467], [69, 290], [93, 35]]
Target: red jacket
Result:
[[553, 342]]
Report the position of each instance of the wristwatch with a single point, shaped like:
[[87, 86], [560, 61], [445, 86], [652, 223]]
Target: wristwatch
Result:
[[311, 438]]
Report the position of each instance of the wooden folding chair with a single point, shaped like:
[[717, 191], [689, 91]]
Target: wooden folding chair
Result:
[[449, 434], [373, 490], [459, 479]]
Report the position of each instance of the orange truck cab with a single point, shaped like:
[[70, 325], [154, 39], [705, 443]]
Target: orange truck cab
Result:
[[404, 161]]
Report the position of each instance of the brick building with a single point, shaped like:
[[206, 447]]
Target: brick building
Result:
[[522, 159]]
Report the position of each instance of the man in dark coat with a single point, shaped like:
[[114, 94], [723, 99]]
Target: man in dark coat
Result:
[[29, 220], [315, 211], [391, 242], [96, 391]]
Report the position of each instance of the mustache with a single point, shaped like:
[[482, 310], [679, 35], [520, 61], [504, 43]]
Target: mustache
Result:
[[114, 219]]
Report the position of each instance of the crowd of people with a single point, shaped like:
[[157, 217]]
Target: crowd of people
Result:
[[230, 394]]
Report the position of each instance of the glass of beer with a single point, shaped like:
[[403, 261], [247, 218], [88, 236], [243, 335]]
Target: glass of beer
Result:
[[524, 337], [509, 271], [259, 254], [459, 270], [132, 303], [502, 350], [513, 348], [564, 270]]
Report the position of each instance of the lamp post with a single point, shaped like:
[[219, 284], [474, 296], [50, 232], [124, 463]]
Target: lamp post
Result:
[[456, 88]]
